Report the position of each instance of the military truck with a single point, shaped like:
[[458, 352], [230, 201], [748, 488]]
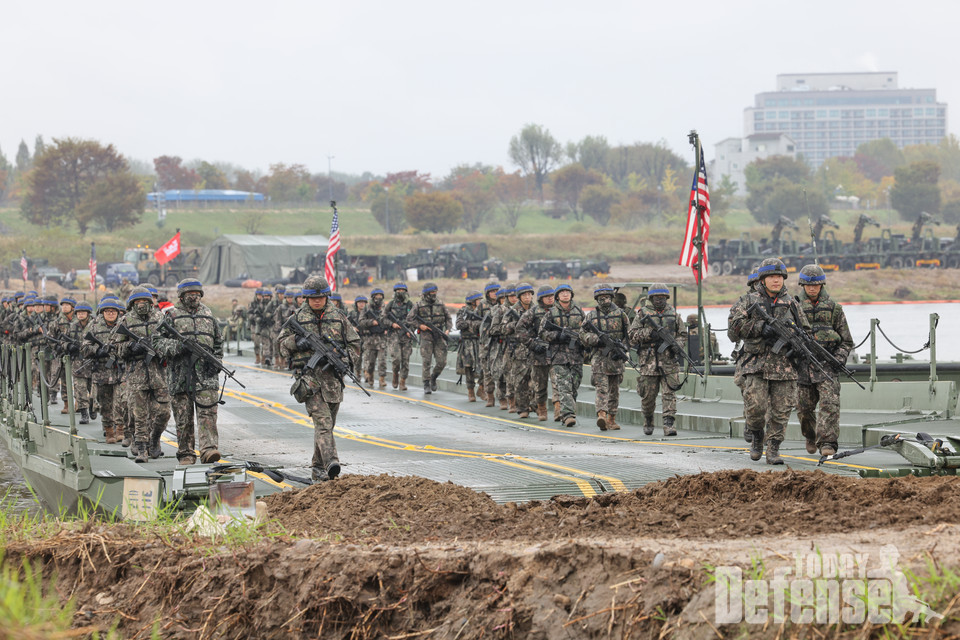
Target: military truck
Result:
[[563, 269], [184, 265], [467, 260]]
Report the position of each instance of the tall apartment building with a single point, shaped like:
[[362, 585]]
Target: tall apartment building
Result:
[[831, 114]]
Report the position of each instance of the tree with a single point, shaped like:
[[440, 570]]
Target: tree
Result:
[[245, 181], [787, 199], [878, 158], [436, 211], [591, 152], [597, 199], [766, 175], [23, 158], [38, 146], [536, 152], [915, 189], [511, 190], [63, 175], [211, 176], [569, 182], [5, 171], [116, 201], [289, 183], [387, 206], [721, 194], [635, 209], [327, 188], [475, 191], [644, 162], [171, 174]]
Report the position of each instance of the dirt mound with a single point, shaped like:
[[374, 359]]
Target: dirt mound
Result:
[[727, 504]]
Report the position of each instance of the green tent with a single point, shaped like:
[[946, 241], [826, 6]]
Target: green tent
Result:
[[258, 257]]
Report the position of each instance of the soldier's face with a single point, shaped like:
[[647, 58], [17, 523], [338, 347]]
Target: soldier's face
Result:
[[547, 300], [565, 296], [377, 299], [191, 298], [110, 315], [142, 307], [812, 290], [604, 300], [67, 308], [526, 297], [773, 283], [83, 315], [361, 306], [512, 299], [317, 304]]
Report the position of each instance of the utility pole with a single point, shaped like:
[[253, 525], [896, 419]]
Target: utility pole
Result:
[[329, 175]]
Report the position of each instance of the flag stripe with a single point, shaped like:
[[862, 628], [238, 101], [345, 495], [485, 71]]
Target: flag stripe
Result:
[[699, 194], [332, 247], [93, 267], [23, 265]]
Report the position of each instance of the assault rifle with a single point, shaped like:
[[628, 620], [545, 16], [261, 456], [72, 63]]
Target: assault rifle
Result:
[[198, 351], [613, 346], [402, 325], [471, 315], [124, 330], [799, 343], [434, 329], [63, 344], [369, 312], [566, 333], [324, 349], [669, 341], [100, 343]]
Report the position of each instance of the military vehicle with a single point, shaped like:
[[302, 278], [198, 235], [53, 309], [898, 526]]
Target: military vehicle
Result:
[[467, 260], [564, 269], [184, 265]]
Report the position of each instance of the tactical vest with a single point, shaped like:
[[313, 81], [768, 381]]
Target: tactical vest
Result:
[[199, 326], [330, 323], [435, 313], [666, 319], [822, 317]]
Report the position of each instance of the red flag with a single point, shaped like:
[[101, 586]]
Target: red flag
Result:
[[332, 247], [699, 201], [169, 251], [93, 267], [23, 264]]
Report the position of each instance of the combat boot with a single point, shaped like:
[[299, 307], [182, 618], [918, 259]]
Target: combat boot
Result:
[[64, 409], [266, 362], [258, 360], [209, 456], [602, 420], [471, 396], [747, 435], [503, 404], [523, 414], [383, 382], [93, 411], [811, 446], [368, 378], [111, 437], [570, 422], [490, 400], [403, 384], [142, 455], [84, 416], [668, 429], [512, 405], [433, 383], [756, 445], [612, 421], [154, 450], [53, 398], [647, 425], [481, 392], [127, 442], [396, 379], [828, 449], [773, 452], [427, 387], [542, 411], [333, 470], [317, 474], [187, 459], [556, 411]]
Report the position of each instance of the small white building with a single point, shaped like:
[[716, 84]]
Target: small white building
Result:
[[732, 155]]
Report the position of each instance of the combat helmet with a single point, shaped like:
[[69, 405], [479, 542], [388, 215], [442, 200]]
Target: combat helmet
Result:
[[360, 298], [658, 289], [187, 285], [812, 274], [376, 291], [138, 293], [564, 287], [473, 295], [505, 291], [315, 287], [109, 303], [400, 285], [491, 286], [772, 267], [754, 276], [602, 290], [84, 306], [544, 291], [429, 287], [69, 301], [523, 287], [693, 320]]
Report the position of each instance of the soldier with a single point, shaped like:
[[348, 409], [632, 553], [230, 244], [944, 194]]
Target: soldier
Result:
[[769, 379], [146, 380], [82, 383], [693, 335], [337, 300], [737, 355], [567, 359], [319, 388], [606, 365], [433, 342], [517, 366], [829, 325], [276, 318], [253, 316], [491, 301], [527, 331], [374, 339], [659, 370], [125, 288], [98, 347], [468, 351], [621, 301], [265, 327], [236, 320], [194, 384], [400, 340], [354, 315]]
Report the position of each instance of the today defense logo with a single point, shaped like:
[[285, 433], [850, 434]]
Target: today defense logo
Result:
[[848, 588]]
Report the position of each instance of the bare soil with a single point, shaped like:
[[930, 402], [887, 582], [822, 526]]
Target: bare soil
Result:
[[389, 557]]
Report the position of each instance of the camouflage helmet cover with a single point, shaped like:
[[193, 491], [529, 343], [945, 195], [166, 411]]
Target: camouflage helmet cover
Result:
[[812, 274], [772, 267], [658, 289], [544, 291], [602, 290], [186, 285], [315, 287]]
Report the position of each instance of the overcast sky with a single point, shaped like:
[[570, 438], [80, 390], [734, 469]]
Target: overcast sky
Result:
[[428, 85]]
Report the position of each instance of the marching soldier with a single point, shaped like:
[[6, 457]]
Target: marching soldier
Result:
[[354, 315], [468, 352], [319, 388], [567, 360], [517, 366], [528, 329], [606, 364], [58, 329], [98, 346], [829, 325], [433, 336], [374, 341], [693, 335], [769, 379], [82, 377], [659, 370], [507, 296], [265, 327], [489, 344], [737, 356], [400, 341], [253, 316]]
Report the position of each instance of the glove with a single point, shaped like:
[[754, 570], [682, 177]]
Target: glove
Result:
[[102, 352], [538, 346], [767, 331], [73, 350], [303, 344], [616, 356], [137, 350]]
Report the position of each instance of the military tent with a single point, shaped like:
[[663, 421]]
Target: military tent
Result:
[[259, 257]]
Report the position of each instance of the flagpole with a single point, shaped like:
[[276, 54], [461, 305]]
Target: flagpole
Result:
[[694, 139], [93, 277]]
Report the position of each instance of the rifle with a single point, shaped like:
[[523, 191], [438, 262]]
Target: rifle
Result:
[[433, 329], [669, 341], [612, 345], [198, 351], [124, 330], [403, 326], [97, 341], [571, 336], [800, 343], [325, 349], [471, 315], [369, 312]]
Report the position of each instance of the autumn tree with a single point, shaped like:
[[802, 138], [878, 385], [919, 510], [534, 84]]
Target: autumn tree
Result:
[[536, 152], [474, 188], [171, 174], [591, 152], [597, 200], [289, 183], [512, 191], [916, 190], [244, 181], [62, 182], [387, 207], [211, 176], [767, 176], [436, 211], [570, 181], [23, 158], [878, 158]]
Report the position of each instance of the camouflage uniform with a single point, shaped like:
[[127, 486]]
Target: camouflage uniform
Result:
[[265, 326], [567, 354], [606, 366], [236, 321], [433, 348], [58, 329], [769, 379], [319, 388], [147, 382], [693, 340], [496, 386], [374, 337], [830, 329], [528, 333], [253, 324], [468, 351], [126, 288], [194, 384], [103, 368], [517, 361], [82, 383], [658, 370], [354, 317], [399, 342]]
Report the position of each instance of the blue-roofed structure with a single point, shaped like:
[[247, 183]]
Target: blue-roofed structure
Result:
[[205, 195]]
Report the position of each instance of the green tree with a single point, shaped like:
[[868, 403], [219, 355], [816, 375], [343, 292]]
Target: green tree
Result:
[[23, 158], [38, 146], [289, 183], [436, 211], [512, 191], [212, 177], [61, 177], [878, 158], [475, 191], [5, 171], [787, 199], [767, 175], [915, 189], [721, 195], [388, 203], [597, 200], [591, 152], [636, 208], [569, 181], [113, 202], [536, 152], [642, 162]]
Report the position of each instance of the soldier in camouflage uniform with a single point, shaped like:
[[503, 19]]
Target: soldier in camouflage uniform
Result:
[[103, 369], [282, 310], [737, 355], [354, 315], [375, 339], [769, 379], [620, 299], [517, 367], [829, 326], [236, 320], [146, 380], [194, 384], [468, 351], [82, 383], [693, 335], [499, 347], [433, 348], [567, 352], [528, 333], [319, 388], [253, 323], [337, 300], [606, 365], [659, 370], [265, 327], [57, 330], [125, 289], [399, 340], [487, 343]]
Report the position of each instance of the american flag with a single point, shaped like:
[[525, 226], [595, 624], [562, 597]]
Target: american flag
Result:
[[93, 266], [332, 247], [23, 264], [699, 195]]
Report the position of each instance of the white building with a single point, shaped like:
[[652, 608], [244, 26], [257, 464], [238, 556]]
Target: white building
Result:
[[734, 154]]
